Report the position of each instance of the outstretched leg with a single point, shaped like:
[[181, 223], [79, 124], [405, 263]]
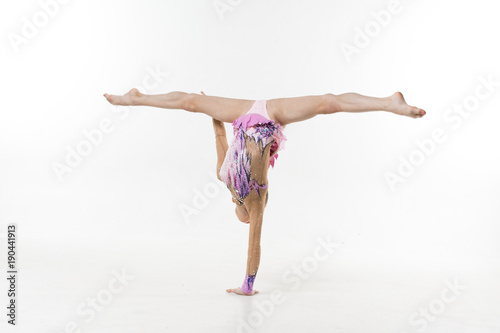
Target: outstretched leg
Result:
[[295, 109], [221, 108]]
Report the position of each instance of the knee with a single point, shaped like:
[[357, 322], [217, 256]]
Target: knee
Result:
[[188, 102], [330, 104]]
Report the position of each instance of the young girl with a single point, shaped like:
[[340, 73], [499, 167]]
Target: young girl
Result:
[[258, 136]]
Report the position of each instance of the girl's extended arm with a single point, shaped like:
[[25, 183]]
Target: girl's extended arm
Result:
[[256, 211], [255, 204]]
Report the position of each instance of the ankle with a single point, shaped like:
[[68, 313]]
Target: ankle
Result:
[[388, 103], [138, 98]]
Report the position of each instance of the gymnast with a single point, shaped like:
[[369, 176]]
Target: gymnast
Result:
[[258, 136]]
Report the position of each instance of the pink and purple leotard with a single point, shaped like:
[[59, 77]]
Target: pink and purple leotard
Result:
[[235, 171], [256, 124]]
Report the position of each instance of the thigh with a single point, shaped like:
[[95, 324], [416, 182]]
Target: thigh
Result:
[[294, 109], [221, 108]]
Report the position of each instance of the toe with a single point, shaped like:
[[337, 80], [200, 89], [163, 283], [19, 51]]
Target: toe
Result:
[[415, 112]]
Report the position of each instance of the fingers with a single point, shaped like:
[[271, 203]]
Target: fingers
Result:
[[238, 291], [235, 290]]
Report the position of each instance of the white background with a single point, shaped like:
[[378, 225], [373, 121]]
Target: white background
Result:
[[121, 206]]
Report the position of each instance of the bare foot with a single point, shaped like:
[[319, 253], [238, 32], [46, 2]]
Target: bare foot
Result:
[[398, 105], [129, 98]]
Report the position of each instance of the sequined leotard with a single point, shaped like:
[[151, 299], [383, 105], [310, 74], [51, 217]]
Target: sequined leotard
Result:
[[256, 124]]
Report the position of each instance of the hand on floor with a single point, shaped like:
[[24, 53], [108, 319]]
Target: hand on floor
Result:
[[238, 291]]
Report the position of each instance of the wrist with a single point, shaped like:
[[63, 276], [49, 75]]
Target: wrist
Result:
[[247, 286]]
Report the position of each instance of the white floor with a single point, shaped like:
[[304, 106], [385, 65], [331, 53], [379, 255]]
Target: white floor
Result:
[[179, 286], [97, 190]]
